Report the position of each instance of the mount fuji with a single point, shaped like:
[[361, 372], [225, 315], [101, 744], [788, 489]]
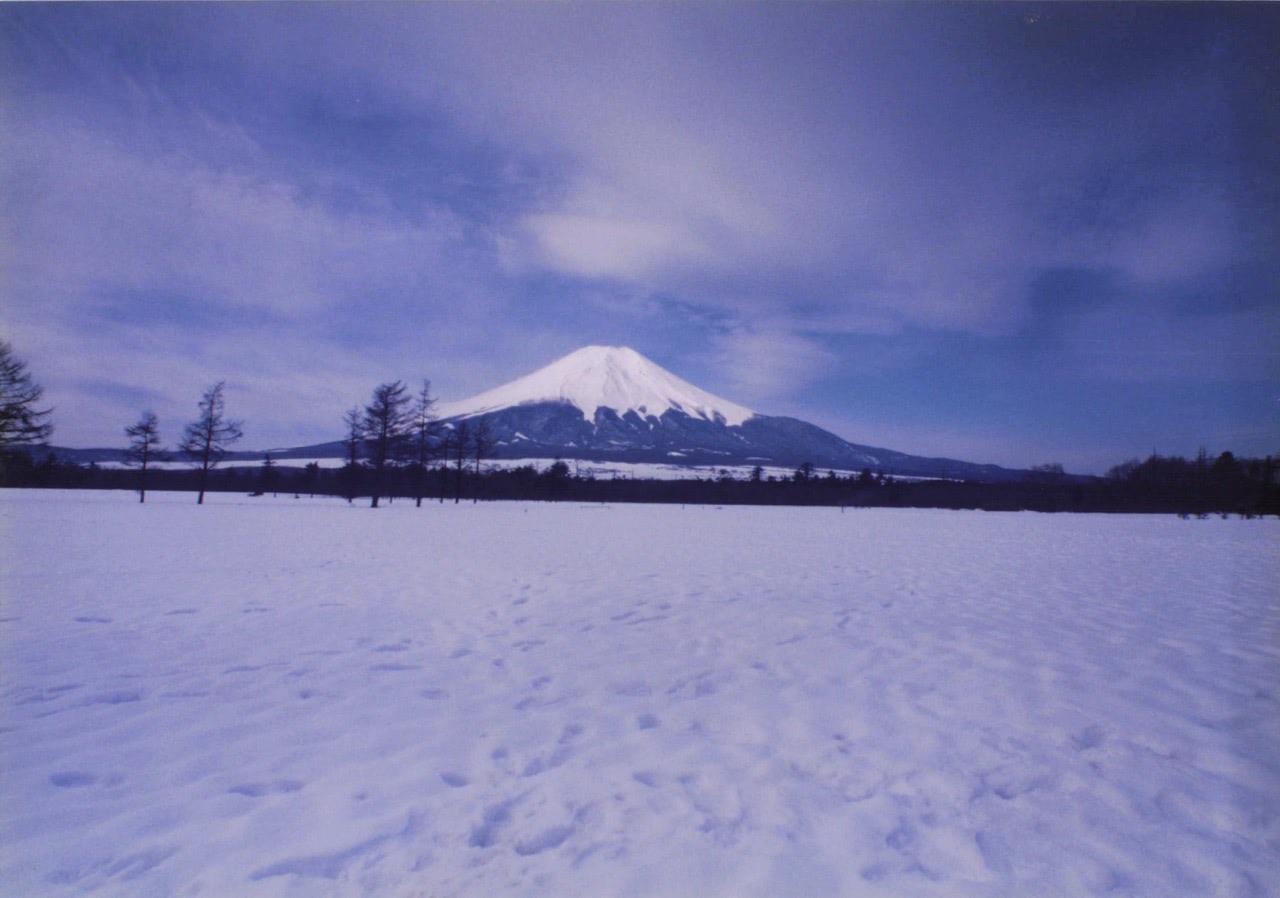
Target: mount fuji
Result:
[[611, 404], [615, 378]]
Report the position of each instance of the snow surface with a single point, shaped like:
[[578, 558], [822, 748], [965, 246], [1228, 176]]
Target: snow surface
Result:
[[594, 377], [289, 697]]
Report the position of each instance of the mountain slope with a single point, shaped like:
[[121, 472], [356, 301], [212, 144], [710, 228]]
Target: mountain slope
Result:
[[612, 404]]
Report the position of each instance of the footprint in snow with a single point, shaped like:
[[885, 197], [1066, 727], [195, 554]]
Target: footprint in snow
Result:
[[903, 838], [120, 697], [274, 787], [126, 868], [632, 688], [495, 817], [1090, 737], [1014, 780], [333, 865], [996, 851], [559, 755], [71, 779], [48, 694], [544, 841]]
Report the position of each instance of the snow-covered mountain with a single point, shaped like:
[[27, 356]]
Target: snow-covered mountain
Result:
[[616, 378], [610, 403]]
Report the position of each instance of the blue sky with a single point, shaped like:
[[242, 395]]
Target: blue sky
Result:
[[1006, 233]]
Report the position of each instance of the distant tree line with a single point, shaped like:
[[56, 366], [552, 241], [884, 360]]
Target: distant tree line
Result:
[[396, 448], [1188, 487], [1199, 486]]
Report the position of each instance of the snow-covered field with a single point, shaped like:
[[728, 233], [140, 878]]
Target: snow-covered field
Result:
[[280, 697]]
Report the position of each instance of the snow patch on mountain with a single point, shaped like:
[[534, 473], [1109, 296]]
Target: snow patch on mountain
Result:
[[612, 377]]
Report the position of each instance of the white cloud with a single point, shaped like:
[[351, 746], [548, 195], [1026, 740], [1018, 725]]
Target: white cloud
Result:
[[768, 363], [693, 146], [609, 248], [1181, 238]]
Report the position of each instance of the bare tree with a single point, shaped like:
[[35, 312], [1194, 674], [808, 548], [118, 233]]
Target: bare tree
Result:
[[386, 425], [311, 476], [206, 439], [268, 476], [20, 420], [426, 438], [144, 447], [482, 443], [459, 443], [353, 420]]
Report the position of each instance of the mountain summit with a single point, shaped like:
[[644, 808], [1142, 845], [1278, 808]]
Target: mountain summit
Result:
[[616, 378]]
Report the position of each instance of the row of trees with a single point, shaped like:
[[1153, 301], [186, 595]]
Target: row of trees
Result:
[[205, 441], [24, 423], [1198, 486], [1249, 496], [399, 432], [394, 432]]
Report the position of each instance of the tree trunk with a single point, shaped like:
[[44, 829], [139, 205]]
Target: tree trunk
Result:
[[204, 469]]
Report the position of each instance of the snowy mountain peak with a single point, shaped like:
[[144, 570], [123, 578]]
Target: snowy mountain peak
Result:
[[613, 377]]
